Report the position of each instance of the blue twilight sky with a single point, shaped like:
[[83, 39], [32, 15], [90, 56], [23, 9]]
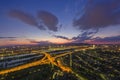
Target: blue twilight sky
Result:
[[59, 21]]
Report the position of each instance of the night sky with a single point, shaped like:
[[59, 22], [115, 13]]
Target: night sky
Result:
[[59, 21]]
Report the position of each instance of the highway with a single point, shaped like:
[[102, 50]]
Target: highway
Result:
[[45, 60]]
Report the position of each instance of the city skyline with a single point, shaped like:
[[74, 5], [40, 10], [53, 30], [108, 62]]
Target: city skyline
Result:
[[66, 21]]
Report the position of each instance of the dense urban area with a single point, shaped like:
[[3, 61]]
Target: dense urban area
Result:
[[60, 62]]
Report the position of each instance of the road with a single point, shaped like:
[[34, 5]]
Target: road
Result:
[[45, 60]]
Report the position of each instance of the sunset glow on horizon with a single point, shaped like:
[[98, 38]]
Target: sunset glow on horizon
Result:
[[50, 21]]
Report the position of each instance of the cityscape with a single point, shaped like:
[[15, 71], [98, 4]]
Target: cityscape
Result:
[[60, 40]]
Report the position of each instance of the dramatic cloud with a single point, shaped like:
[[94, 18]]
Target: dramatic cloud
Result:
[[84, 36], [26, 18], [80, 38], [107, 39], [40, 42], [87, 37], [62, 37], [49, 20], [99, 14], [8, 37]]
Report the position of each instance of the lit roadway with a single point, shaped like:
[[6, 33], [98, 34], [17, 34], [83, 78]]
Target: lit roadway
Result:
[[47, 59]]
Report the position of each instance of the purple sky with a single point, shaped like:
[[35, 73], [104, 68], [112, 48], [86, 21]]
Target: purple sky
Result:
[[37, 21]]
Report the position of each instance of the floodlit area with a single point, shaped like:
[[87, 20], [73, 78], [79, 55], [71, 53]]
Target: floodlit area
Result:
[[68, 62]]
